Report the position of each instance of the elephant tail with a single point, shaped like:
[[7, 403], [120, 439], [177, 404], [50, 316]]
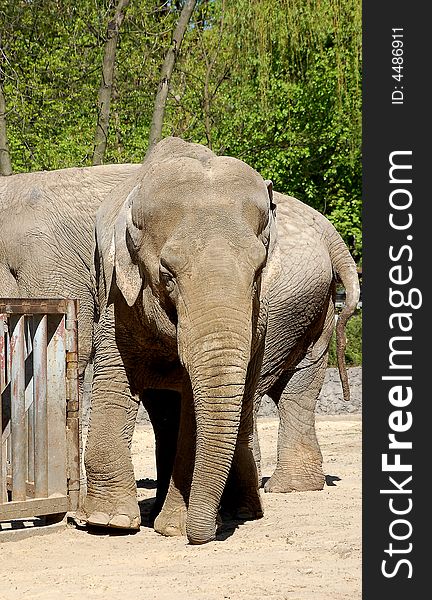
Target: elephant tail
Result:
[[345, 270]]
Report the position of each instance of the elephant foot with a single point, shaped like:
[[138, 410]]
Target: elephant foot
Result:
[[283, 482], [245, 513], [171, 521], [117, 515], [154, 511], [245, 506], [100, 519]]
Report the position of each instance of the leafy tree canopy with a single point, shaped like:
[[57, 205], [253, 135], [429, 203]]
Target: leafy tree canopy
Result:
[[273, 82]]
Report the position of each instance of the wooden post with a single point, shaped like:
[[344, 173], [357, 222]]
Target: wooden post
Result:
[[56, 396], [3, 457], [40, 403], [73, 406], [18, 420], [29, 403]]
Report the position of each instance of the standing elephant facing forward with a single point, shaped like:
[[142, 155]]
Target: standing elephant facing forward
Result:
[[181, 249], [189, 272]]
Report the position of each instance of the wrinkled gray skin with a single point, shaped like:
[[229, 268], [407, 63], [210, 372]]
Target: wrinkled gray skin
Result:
[[45, 251], [308, 257], [46, 236], [190, 279]]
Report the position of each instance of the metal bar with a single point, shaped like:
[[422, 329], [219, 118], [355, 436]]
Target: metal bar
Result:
[[32, 306], [73, 405], [33, 508], [3, 457], [18, 420], [40, 405], [56, 401], [29, 399]]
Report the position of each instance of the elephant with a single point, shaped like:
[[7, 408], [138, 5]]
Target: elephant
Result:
[[207, 299], [46, 236], [300, 325], [45, 250]]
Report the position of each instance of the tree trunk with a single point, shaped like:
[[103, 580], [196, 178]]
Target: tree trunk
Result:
[[105, 90], [166, 72], [5, 161]]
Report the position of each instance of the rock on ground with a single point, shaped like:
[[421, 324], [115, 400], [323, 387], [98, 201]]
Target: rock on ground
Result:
[[330, 400]]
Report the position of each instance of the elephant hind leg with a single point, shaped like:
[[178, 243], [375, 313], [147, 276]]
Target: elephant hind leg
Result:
[[299, 458], [163, 407], [171, 521], [256, 445]]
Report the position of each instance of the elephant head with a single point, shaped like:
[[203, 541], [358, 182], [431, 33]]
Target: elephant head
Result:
[[192, 240]]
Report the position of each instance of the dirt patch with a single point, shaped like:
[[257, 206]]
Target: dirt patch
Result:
[[306, 547]]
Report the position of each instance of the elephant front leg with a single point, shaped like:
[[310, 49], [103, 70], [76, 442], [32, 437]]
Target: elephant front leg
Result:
[[111, 499], [171, 521], [299, 458]]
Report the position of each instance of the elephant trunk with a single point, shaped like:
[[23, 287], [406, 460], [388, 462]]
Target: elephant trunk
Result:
[[216, 356]]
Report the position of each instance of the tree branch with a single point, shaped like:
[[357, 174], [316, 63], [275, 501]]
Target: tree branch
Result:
[[166, 73], [5, 161], [105, 90]]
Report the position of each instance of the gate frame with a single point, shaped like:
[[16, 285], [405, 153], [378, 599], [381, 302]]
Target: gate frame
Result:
[[56, 503]]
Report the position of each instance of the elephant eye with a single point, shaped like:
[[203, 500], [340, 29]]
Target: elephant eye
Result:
[[265, 240], [166, 278]]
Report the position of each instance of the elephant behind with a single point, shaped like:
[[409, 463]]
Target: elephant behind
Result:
[[310, 258]]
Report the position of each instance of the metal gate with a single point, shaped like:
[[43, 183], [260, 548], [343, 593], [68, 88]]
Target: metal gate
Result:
[[39, 408]]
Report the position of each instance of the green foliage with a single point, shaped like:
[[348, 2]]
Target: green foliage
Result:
[[284, 89], [353, 352], [53, 52], [273, 82]]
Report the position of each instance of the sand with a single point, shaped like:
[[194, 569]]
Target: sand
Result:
[[306, 547]]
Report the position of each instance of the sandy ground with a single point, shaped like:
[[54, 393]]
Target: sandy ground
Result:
[[306, 547]]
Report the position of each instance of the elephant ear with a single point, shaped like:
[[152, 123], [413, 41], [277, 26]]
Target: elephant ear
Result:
[[127, 272], [103, 260], [114, 249], [270, 231], [269, 185], [273, 266]]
